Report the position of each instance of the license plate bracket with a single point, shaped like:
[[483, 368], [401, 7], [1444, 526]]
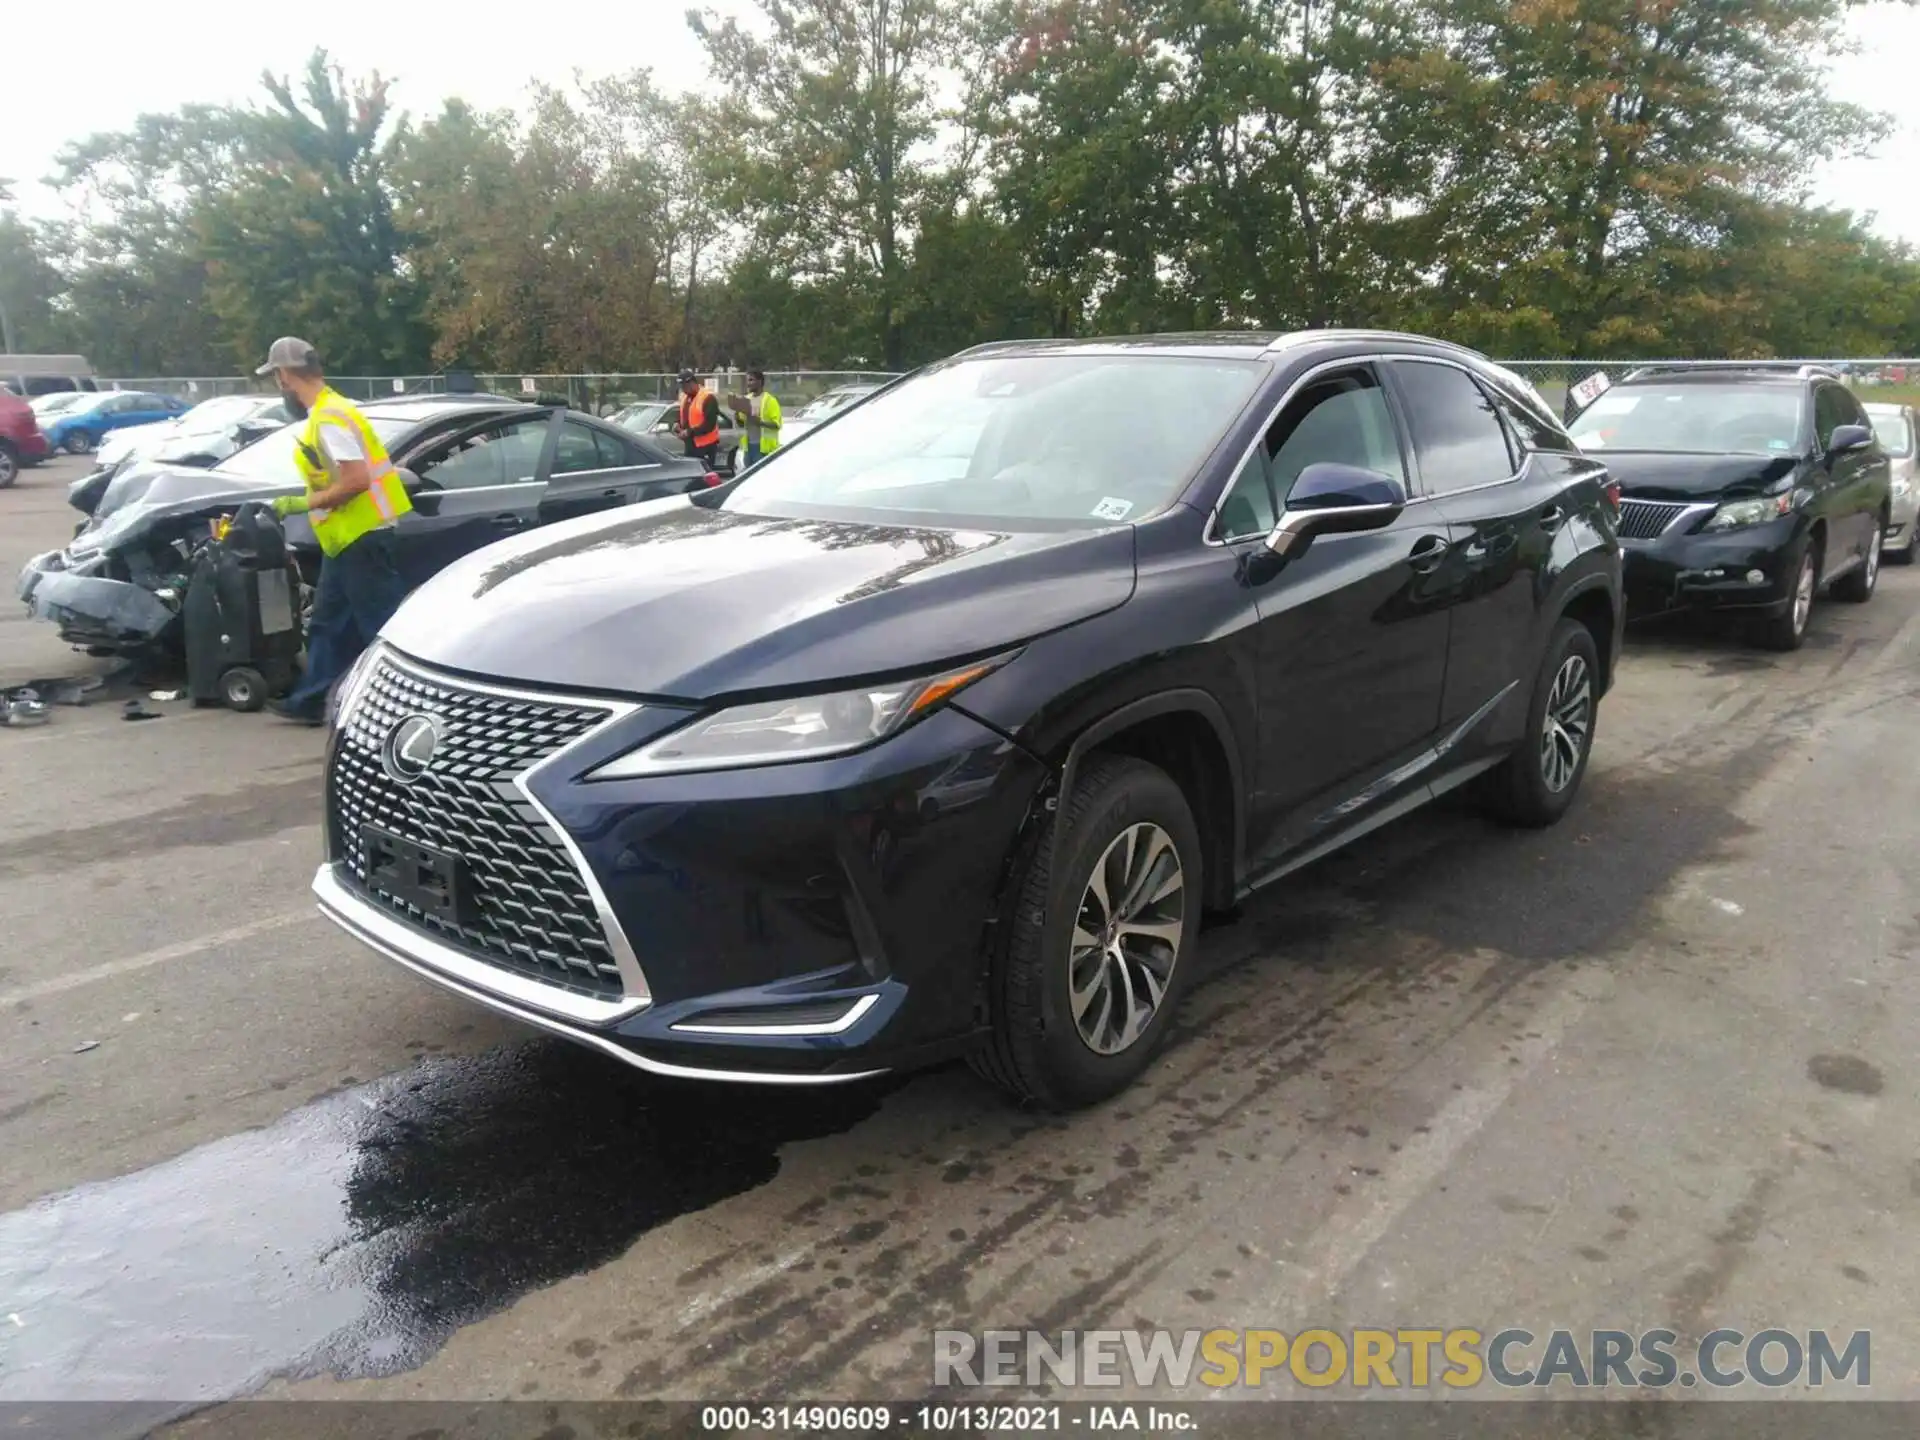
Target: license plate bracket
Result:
[[430, 880]]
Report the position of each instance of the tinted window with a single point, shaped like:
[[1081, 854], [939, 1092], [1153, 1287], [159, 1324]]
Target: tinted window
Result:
[[1831, 405], [1341, 420], [1456, 433], [500, 456], [580, 449], [1248, 508], [1530, 429]]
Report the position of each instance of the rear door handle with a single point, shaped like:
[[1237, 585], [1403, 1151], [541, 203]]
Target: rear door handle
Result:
[[1428, 553]]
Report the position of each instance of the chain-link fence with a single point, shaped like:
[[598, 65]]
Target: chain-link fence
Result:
[[595, 394], [605, 394]]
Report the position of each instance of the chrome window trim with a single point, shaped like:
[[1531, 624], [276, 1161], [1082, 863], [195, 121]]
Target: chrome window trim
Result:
[[1347, 362], [633, 980], [441, 965], [830, 1027]]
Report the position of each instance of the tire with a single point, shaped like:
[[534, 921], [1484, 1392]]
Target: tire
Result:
[[1040, 1049], [1856, 587], [9, 465], [77, 442], [243, 689], [1536, 784], [1788, 630]]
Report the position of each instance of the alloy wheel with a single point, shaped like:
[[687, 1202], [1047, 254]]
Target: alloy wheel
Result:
[[1803, 594], [9, 467], [1569, 721], [1126, 938]]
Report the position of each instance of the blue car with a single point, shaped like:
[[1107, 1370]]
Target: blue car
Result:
[[78, 427]]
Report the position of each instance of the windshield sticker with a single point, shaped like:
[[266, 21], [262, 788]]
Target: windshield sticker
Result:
[[1111, 509], [1778, 445]]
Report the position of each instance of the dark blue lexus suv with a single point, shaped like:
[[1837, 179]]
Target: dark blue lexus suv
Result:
[[935, 732]]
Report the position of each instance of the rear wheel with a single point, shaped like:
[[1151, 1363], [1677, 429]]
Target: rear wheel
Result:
[[1535, 785], [1857, 585], [1100, 943], [1788, 629], [78, 442], [9, 464]]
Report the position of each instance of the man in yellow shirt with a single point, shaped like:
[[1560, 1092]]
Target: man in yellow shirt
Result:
[[353, 498], [760, 413]]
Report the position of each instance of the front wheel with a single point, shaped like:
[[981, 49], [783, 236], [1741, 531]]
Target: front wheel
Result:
[[1788, 629], [1101, 939], [78, 442], [1535, 785], [1857, 585]]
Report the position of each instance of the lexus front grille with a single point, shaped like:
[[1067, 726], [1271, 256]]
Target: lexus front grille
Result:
[[529, 908], [1648, 519]]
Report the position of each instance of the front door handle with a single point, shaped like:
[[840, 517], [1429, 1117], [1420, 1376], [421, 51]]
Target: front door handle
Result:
[[1427, 554]]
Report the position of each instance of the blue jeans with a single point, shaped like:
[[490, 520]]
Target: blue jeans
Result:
[[358, 592], [750, 454]]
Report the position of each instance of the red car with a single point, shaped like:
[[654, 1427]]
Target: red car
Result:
[[21, 442]]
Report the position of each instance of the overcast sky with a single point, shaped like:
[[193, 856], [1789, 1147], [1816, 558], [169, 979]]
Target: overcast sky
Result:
[[64, 82]]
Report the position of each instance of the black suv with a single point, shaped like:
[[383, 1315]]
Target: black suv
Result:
[[936, 730], [1744, 489]]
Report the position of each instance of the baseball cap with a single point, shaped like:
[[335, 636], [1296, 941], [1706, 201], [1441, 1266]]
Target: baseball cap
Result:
[[685, 376], [289, 352]]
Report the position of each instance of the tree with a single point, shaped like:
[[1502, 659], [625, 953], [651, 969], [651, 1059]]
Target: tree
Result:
[[305, 241], [1562, 160], [835, 117]]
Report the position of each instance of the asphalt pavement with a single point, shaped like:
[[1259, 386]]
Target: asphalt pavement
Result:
[[1653, 1067]]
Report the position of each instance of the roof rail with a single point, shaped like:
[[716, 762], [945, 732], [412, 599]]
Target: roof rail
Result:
[[1335, 332], [1693, 367]]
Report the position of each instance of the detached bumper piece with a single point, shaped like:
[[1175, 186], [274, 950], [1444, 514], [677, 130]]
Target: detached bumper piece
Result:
[[89, 608]]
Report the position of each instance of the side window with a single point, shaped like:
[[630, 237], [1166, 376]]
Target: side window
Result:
[[1343, 420], [1456, 433], [501, 456], [579, 449], [1248, 508], [1829, 412], [1532, 431]]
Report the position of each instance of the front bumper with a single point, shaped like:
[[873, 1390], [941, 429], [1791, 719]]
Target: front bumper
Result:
[[807, 923], [1749, 570], [1903, 518], [90, 608]]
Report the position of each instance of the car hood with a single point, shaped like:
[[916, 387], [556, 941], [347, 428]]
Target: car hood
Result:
[[677, 600], [1650, 475], [143, 496]]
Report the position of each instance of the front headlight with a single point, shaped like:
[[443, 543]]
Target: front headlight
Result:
[[810, 728], [1738, 514], [1902, 486]]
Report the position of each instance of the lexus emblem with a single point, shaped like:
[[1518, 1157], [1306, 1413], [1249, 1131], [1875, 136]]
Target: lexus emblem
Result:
[[409, 748]]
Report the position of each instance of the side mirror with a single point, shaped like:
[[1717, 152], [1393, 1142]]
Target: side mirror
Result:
[[1849, 437], [1336, 500]]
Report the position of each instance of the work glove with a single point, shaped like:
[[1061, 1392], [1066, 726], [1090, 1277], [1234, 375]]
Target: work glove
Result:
[[285, 505]]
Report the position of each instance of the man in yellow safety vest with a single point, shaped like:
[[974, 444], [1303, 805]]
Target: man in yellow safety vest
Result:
[[353, 496], [760, 413]]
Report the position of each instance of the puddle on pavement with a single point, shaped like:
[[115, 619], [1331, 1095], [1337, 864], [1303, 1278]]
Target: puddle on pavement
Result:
[[355, 1235]]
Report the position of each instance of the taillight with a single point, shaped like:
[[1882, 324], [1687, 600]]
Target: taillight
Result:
[[713, 478], [1613, 495]]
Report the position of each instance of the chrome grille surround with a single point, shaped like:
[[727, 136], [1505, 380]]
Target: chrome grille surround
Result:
[[1650, 519], [538, 911]]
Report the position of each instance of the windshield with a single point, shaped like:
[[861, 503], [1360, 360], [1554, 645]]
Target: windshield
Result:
[[222, 410], [639, 417], [1694, 419], [270, 459], [828, 403], [1093, 439], [1894, 434]]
